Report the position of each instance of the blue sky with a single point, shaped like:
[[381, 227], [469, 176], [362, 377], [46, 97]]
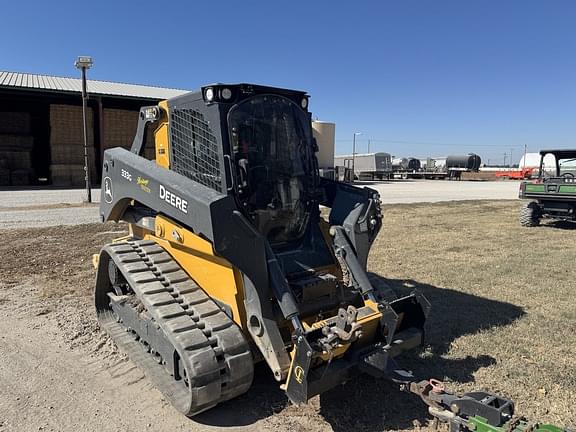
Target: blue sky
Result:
[[415, 77]]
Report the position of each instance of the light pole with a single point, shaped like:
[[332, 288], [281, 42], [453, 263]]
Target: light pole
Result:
[[354, 154], [83, 63], [525, 151]]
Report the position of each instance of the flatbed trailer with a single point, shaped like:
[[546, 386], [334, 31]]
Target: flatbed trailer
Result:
[[427, 175], [521, 174]]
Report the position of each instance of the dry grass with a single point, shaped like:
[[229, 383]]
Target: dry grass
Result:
[[504, 315]]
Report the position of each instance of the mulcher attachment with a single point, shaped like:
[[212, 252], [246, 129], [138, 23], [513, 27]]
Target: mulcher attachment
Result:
[[188, 347]]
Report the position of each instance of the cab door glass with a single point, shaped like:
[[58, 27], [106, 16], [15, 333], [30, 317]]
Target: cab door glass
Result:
[[271, 147]]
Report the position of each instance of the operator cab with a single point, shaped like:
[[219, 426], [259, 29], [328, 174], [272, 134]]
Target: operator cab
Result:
[[255, 143], [272, 151]]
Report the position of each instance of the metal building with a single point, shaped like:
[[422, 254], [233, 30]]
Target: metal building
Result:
[[41, 136]]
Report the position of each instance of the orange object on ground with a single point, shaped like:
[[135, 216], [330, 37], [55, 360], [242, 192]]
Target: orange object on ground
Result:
[[521, 174]]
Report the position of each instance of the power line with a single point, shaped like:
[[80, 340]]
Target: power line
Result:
[[436, 143]]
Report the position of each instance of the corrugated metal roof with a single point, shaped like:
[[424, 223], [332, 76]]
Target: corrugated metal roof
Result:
[[63, 84]]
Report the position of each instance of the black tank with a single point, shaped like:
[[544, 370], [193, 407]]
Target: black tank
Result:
[[471, 161], [413, 164]]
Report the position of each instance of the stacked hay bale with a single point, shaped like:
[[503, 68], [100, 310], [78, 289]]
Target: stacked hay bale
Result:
[[67, 145], [4, 173], [16, 145], [120, 128], [16, 160]]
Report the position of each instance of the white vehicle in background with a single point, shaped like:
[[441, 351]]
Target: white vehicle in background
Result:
[[367, 166]]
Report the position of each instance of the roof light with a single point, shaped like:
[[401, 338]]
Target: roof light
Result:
[[83, 62], [209, 94], [226, 93], [304, 103]]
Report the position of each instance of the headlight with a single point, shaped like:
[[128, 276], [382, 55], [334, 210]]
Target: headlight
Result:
[[304, 103], [209, 94], [226, 93]]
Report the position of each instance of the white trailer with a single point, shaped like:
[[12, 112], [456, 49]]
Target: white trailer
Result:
[[367, 165]]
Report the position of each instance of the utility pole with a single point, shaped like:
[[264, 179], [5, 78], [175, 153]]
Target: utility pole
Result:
[[525, 151], [368, 146], [83, 63], [511, 163], [354, 154], [504, 164]]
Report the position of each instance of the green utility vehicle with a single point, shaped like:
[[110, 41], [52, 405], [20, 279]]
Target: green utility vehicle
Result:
[[553, 193]]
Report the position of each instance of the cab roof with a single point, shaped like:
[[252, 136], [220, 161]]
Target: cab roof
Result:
[[561, 153]]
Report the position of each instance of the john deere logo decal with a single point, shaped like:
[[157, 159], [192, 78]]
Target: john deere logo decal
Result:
[[299, 374], [108, 193]]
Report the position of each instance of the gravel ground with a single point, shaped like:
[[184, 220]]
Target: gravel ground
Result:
[[12, 197], [414, 191], [44, 207], [49, 207], [49, 215]]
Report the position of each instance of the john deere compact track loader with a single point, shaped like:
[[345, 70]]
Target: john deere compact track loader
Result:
[[229, 262]]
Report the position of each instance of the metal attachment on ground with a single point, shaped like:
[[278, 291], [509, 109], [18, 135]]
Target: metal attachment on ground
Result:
[[475, 411], [437, 386]]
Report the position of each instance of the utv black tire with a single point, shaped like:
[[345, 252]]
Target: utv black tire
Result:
[[530, 214]]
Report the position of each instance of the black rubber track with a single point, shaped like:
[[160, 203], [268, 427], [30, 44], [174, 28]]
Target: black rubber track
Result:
[[215, 356]]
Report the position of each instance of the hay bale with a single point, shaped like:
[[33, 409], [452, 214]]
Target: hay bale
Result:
[[21, 177], [66, 125], [16, 160], [4, 177], [16, 142], [61, 174], [68, 175], [119, 127], [14, 123], [69, 154]]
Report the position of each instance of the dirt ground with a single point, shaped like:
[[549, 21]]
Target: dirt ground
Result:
[[503, 319]]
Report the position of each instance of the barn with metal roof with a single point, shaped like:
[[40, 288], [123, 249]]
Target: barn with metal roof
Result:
[[41, 135]]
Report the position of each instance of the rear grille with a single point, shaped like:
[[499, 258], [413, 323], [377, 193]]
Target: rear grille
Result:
[[194, 148]]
